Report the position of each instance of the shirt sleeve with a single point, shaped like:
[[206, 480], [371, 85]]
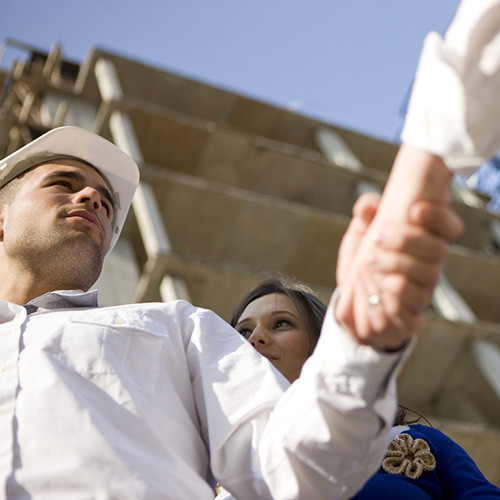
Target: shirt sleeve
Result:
[[454, 108], [322, 437]]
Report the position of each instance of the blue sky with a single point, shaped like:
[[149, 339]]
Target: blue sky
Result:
[[348, 62]]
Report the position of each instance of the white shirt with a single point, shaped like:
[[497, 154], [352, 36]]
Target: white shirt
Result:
[[454, 109], [150, 401]]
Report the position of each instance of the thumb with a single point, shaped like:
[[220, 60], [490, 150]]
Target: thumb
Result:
[[364, 212]]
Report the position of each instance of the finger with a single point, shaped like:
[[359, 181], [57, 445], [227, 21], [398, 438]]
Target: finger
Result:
[[374, 324], [442, 221], [412, 240], [402, 306], [397, 316], [392, 327], [391, 332], [385, 325], [364, 211], [421, 272], [353, 310], [400, 296], [366, 206]]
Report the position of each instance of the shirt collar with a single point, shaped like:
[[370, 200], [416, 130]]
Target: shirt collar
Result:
[[65, 299]]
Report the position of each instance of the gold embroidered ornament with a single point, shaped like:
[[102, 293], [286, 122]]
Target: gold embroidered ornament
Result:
[[409, 457]]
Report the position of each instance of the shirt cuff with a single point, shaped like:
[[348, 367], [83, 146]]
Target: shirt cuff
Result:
[[351, 368]]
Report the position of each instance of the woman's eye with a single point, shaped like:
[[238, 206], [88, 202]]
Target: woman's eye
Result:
[[282, 322], [245, 332]]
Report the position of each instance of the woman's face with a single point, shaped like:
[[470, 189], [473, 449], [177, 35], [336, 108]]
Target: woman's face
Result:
[[272, 324]]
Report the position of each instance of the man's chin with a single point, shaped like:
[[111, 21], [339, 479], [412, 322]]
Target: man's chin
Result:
[[86, 257], [86, 240]]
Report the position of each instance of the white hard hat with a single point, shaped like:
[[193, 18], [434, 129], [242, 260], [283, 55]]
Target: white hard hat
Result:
[[117, 168]]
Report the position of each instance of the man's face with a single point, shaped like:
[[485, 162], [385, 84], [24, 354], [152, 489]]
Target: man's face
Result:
[[62, 209]]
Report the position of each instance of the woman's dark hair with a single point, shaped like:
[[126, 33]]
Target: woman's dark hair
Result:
[[312, 311], [402, 416]]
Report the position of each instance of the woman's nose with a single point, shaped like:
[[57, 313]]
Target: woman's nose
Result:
[[259, 336]]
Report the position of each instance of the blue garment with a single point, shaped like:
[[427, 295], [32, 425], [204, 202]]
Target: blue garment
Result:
[[454, 477], [485, 180], [488, 182]]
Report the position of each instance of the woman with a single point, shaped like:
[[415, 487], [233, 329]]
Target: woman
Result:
[[283, 323]]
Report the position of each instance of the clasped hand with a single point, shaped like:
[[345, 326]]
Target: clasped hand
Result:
[[387, 276]]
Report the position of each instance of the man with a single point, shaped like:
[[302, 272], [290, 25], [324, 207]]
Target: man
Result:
[[155, 400], [35, 238]]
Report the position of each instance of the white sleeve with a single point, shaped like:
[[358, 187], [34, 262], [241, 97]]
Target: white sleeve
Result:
[[321, 438], [454, 109]]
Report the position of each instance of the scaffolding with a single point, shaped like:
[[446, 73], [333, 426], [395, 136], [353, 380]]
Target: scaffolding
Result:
[[233, 190]]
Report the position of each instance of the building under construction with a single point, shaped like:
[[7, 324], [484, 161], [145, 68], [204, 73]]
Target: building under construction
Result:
[[234, 190]]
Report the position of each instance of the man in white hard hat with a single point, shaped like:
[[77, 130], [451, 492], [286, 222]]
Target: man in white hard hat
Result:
[[63, 160], [157, 400]]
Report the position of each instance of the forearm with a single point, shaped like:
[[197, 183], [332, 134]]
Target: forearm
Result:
[[362, 272], [416, 175]]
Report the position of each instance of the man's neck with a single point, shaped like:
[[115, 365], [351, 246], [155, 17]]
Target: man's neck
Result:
[[21, 288], [21, 294], [21, 283]]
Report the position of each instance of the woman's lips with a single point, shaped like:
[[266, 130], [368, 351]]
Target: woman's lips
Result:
[[270, 357]]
